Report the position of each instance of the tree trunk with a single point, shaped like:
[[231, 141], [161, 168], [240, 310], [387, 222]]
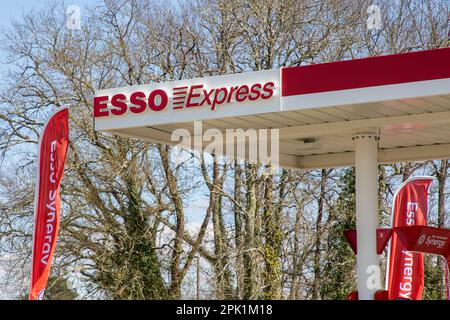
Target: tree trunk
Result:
[[238, 238], [442, 177], [272, 245], [175, 272], [296, 261], [222, 268], [249, 246], [318, 235]]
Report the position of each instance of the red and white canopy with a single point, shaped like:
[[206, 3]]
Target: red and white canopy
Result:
[[317, 108]]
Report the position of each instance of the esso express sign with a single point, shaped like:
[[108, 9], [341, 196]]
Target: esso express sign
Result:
[[187, 100], [182, 97]]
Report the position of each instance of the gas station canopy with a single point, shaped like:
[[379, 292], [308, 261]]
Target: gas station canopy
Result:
[[404, 98], [358, 112]]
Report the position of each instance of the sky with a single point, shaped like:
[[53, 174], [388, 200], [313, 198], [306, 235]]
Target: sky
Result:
[[13, 9]]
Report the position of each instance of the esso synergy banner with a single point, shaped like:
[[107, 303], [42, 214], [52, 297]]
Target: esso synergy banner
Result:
[[53, 145], [429, 240], [187, 100], [405, 277]]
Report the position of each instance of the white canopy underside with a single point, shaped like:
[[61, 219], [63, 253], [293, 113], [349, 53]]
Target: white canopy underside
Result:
[[412, 129]]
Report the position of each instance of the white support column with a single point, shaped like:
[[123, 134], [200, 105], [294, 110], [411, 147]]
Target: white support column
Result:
[[366, 167]]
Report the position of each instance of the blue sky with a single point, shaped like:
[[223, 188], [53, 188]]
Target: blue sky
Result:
[[13, 9]]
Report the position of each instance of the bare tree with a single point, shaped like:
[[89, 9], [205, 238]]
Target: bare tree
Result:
[[127, 203]]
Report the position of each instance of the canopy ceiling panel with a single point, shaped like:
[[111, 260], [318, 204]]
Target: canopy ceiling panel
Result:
[[316, 108]]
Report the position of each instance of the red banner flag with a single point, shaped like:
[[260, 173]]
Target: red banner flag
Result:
[[405, 277], [383, 236], [53, 145]]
